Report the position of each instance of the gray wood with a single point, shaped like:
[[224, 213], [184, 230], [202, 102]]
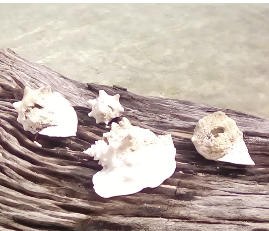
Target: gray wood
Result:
[[50, 187]]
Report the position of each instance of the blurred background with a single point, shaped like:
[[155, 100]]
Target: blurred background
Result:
[[214, 54]]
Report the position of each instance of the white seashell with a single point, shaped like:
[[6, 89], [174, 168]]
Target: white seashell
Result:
[[46, 113], [217, 137], [105, 107], [133, 158]]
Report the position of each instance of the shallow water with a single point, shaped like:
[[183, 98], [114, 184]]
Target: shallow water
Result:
[[215, 54]]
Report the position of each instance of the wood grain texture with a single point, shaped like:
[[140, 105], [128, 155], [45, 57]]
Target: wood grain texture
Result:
[[50, 187]]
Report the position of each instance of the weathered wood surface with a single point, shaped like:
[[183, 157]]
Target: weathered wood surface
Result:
[[50, 187]]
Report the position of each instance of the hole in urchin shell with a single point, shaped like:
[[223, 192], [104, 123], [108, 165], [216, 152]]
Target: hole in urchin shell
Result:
[[216, 131]]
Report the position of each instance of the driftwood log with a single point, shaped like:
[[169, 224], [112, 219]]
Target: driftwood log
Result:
[[50, 187]]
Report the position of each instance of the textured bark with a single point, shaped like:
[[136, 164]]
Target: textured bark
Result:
[[50, 187]]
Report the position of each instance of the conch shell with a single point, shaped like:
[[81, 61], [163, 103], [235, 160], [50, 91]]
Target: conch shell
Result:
[[105, 107], [217, 137], [46, 113], [133, 158]]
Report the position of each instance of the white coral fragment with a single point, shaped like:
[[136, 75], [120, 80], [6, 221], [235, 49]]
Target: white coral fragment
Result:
[[46, 113], [105, 107], [218, 138], [133, 158]]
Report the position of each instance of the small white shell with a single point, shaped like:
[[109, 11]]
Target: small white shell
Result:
[[217, 137], [46, 113], [133, 158], [105, 107]]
